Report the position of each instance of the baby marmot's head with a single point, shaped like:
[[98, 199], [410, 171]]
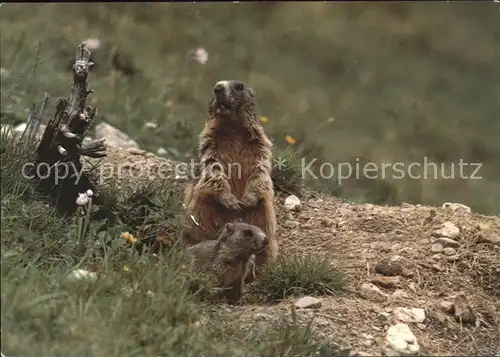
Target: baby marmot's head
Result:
[[242, 239], [230, 98]]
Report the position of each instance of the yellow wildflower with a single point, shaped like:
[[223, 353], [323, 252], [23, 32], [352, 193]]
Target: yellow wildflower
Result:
[[128, 237], [264, 119], [126, 268], [290, 140]]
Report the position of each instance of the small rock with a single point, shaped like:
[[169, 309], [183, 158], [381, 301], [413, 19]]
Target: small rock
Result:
[[290, 224], [321, 321], [367, 343], [449, 251], [367, 336], [135, 151], [114, 137], [372, 292], [161, 151], [401, 339], [413, 287], [409, 315], [448, 230], [447, 242], [387, 282], [308, 302], [389, 268], [261, 316], [456, 207], [488, 235], [447, 306], [400, 294], [436, 248], [292, 203], [81, 274], [421, 326]]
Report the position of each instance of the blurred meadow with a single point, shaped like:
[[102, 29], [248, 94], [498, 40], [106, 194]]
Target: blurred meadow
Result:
[[397, 82]]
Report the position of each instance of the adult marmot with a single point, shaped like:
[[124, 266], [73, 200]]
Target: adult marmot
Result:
[[235, 179], [227, 259]]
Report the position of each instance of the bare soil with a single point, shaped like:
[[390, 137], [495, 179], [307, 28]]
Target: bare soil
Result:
[[357, 238]]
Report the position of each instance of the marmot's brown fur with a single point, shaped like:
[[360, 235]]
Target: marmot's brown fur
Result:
[[226, 259], [235, 179]]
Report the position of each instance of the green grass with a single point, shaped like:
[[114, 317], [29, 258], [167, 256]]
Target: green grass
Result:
[[141, 304], [294, 276]]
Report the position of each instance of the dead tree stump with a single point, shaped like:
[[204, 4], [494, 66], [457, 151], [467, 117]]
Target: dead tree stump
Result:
[[58, 169]]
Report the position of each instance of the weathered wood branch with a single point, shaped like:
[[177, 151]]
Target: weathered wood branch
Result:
[[59, 152]]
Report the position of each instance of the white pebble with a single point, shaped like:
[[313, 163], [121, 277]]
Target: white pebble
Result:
[[401, 339], [292, 203]]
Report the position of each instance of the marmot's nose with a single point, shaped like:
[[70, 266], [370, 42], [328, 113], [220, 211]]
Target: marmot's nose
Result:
[[219, 89]]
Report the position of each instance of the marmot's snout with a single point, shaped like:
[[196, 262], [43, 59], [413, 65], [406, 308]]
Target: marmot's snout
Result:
[[222, 90], [219, 89]]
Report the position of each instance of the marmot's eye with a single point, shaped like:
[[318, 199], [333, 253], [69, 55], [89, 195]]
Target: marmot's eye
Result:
[[239, 86]]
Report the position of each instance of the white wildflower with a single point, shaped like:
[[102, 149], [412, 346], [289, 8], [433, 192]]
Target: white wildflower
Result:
[[82, 199], [80, 274], [93, 43], [150, 125], [201, 55], [89, 193]]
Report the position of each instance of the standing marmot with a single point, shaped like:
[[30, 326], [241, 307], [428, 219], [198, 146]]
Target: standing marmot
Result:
[[235, 179], [226, 259]]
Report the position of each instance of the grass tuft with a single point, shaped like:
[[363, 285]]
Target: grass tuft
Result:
[[287, 173], [294, 276]]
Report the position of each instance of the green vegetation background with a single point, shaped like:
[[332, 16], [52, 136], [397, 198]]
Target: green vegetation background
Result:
[[350, 82]]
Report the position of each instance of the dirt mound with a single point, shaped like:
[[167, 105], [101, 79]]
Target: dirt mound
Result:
[[435, 269]]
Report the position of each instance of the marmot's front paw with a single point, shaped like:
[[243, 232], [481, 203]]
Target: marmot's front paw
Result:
[[249, 200], [230, 201]]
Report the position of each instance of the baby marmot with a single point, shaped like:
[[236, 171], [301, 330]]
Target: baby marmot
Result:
[[227, 259]]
